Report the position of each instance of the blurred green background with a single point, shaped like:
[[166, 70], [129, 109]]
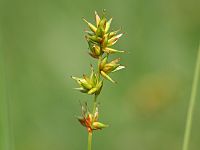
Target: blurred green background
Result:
[[42, 44]]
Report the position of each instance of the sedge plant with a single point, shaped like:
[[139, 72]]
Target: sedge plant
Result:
[[100, 41]]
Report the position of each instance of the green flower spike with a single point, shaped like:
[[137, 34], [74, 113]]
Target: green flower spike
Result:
[[106, 68], [89, 120], [90, 85], [99, 39]]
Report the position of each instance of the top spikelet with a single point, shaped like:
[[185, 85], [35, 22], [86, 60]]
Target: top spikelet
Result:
[[99, 38]]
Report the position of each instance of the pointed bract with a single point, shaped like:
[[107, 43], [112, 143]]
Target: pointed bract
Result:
[[91, 26], [97, 18], [118, 68], [98, 125], [108, 25], [107, 77], [92, 91], [111, 50]]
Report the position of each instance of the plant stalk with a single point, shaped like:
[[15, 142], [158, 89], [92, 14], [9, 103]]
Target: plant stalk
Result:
[[90, 133], [94, 105], [188, 125], [90, 140]]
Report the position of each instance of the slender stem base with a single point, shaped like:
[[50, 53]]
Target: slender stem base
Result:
[[94, 104], [89, 140], [188, 126], [90, 132]]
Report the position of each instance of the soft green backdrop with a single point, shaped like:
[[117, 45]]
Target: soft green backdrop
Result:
[[42, 44]]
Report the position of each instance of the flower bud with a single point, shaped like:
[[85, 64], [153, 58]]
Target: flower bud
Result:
[[89, 32], [108, 23], [89, 118], [101, 27], [105, 41], [90, 85], [97, 50], [90, 121], [111, 50], [103, 62], [102, 23], [99, 87], [107, 76], [114, 39], [87, 79], [82, 90], [93, 77], [92, 91], [85, 84], [81, 120], [105, 68], [94, 38], [113, 33], [77, 79], [97, 18], [91, 26], [108, 67], [119, 68], [98, 125]]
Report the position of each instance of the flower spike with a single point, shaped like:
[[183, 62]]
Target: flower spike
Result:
[[90, 85], [89, 120], [100, 38], [106, 68]]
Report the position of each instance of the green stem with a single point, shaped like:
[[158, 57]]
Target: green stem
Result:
[[99, 61], [89, 140], [94, 104], [188, 126], [90, 133]]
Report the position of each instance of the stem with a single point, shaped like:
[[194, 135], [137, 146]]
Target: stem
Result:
[[90, 140], [99, 61], [94, 104], [188, 125], [90, 132]]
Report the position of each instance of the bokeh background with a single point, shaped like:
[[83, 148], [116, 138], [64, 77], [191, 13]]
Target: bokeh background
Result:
[[42, 44]]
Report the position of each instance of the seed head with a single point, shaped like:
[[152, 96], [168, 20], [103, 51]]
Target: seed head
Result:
[[90, 85], [105, 68], [99, 38], [89, 120]]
